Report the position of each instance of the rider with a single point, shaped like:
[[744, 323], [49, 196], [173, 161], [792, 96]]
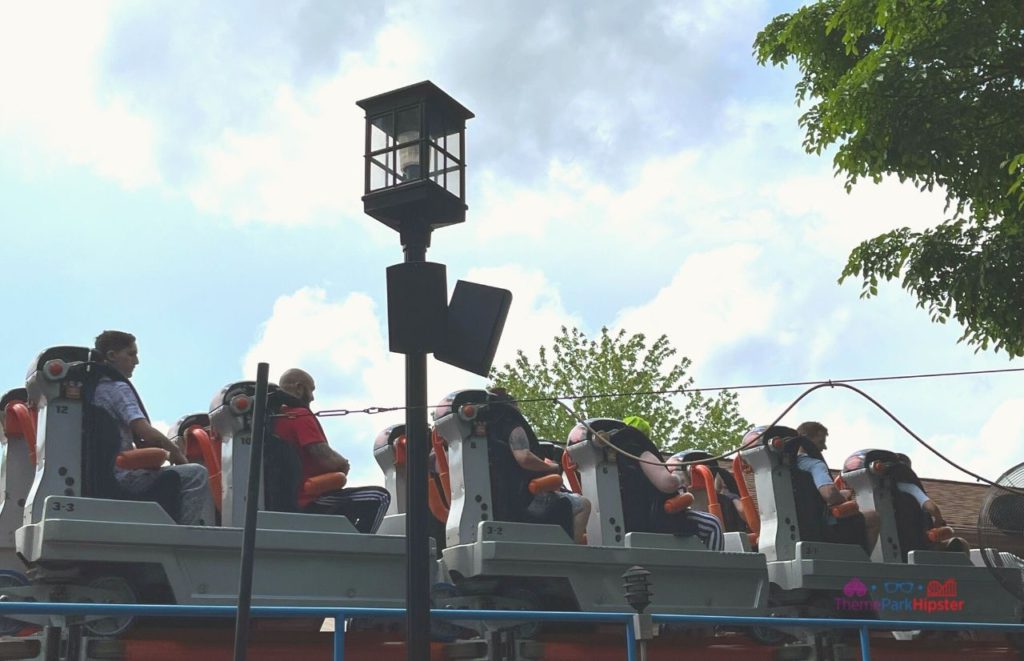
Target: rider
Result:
[[928, 506], [364, 506], [519, 443], [858, 528], [118, 350], [671, 478]]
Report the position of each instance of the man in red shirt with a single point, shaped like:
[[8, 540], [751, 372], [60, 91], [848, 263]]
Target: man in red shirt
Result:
[[364, 506]]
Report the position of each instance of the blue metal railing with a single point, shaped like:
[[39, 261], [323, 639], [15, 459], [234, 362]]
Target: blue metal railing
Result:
[[626, 619]]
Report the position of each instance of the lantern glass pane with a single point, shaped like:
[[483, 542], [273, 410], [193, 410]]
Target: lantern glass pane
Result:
[[452, 184], [381, 130], [436, 160], [453, 144], [378, 176]]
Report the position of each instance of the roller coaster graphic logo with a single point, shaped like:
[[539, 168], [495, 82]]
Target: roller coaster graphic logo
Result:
[[933, 596]]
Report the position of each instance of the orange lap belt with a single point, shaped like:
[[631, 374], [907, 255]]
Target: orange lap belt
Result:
[[849, 508], [703, 478], [321, 484], [144, 458], [211, 458], [569, 467], [677, 504], [546, 484], [746, 500]]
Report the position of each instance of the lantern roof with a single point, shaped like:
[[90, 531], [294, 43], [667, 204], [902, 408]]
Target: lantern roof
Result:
[[425, 91]]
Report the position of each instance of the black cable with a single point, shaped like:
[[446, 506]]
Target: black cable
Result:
[[815, 385], [373, 410], [920, 440]]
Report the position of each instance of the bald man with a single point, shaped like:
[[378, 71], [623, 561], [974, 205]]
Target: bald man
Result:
[[364, 506]]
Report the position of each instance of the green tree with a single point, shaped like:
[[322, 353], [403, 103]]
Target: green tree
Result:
[[624, 364], [931, 91]]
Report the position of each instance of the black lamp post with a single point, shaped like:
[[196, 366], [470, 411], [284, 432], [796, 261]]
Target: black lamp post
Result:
[[415, 181]]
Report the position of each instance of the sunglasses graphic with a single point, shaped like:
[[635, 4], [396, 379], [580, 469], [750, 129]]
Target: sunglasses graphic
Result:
[[906, 587]]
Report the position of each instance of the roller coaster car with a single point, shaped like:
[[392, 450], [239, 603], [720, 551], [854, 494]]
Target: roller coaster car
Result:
[[82, 545], [841, 578], [18, 435], [497, 545], [629, 511]]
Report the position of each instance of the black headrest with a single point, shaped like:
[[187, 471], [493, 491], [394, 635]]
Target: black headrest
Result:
[[469, 397], [276, 398], [705, 458], [13, 395], [625, 437], [549, 450], [694, 455], [897, 469], [793, 441], [498, 410], [92, 372], [454, 400], [866, 457], [777, 431], [887, 456]]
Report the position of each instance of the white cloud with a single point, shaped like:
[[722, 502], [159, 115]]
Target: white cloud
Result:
[[52, 113], [251, 113], [305, 328], [836, 221], [303, 161], [997, 446], [715, 299]]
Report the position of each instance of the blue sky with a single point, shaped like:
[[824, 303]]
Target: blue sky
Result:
[[191, 172]]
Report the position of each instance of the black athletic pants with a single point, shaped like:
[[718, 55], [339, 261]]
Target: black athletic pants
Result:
[[364, 506]]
